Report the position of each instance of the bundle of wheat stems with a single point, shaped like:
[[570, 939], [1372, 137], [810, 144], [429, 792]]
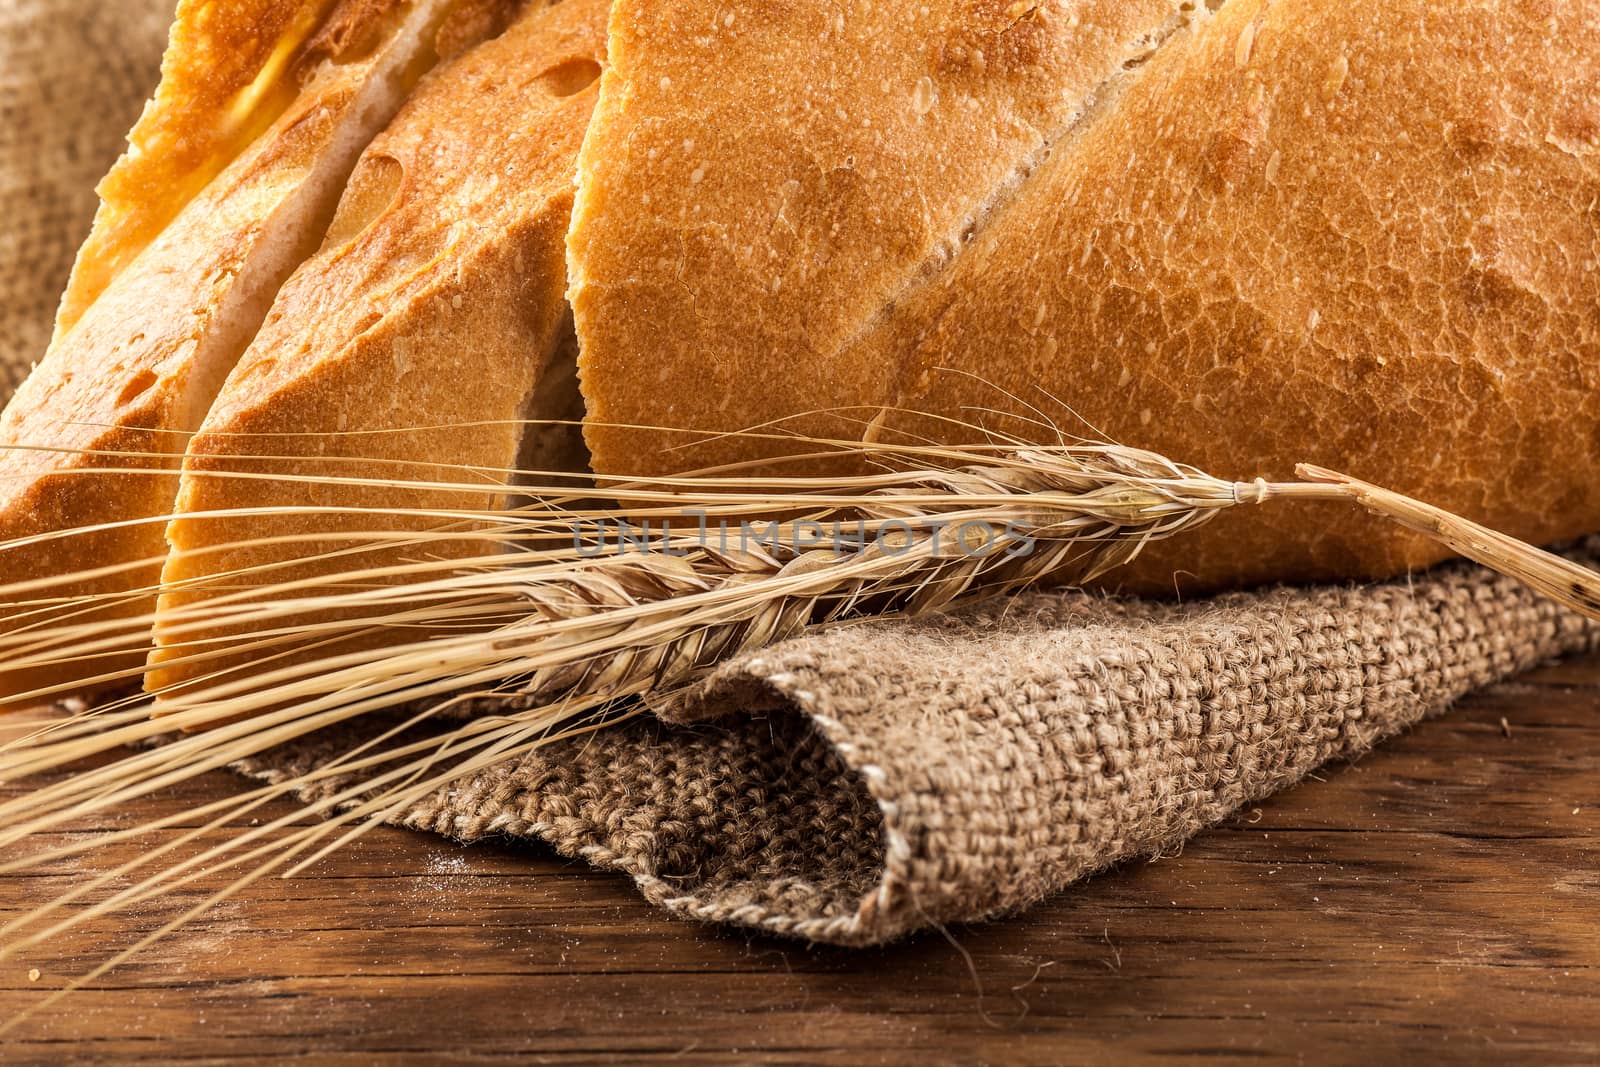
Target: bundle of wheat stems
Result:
[[561, 629]]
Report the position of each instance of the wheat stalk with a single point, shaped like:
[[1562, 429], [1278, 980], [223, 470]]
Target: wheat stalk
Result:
[[548, 639], [584, 631]]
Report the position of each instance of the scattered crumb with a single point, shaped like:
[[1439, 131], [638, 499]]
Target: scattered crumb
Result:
[[441, 864], [1505, 727], [437, 883], [33, 974]]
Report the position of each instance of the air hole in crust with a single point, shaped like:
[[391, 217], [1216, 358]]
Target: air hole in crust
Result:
[[352, 34], [373, 189], [139, 385], [573, 76]]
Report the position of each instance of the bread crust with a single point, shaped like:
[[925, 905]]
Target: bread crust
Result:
[[1362, 234], [1243, 234], [754, 185], [410, 344], [138, 368]]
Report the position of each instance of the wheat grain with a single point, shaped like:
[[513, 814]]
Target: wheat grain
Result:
[[550, 636]]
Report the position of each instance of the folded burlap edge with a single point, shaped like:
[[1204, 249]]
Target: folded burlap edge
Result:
[[855, 785]]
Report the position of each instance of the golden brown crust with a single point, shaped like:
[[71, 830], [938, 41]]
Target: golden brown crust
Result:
[[1360, 234], [435, 302], [1243, 234], [754, 186], [473, 21], [138, 369]]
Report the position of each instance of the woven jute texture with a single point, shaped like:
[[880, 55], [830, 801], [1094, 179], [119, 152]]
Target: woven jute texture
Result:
[[853, 786], [856, 785]]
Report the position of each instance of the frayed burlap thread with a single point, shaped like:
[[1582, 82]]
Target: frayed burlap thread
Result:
[[853, 786], [856, 785]]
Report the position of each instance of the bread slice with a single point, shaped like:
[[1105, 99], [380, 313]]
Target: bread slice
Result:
[[1362, 234], [159, 310], [230, 72], [225, 79], [408, 347]]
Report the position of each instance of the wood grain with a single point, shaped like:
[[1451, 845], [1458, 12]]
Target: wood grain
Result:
[[1439, 900]]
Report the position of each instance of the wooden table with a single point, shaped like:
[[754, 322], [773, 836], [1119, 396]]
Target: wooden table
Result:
[[1439, 899]]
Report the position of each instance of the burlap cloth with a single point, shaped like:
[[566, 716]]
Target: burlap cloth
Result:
[[856, 785]]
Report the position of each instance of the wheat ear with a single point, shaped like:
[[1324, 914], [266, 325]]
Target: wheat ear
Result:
[[585, 631], [588, 630]]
